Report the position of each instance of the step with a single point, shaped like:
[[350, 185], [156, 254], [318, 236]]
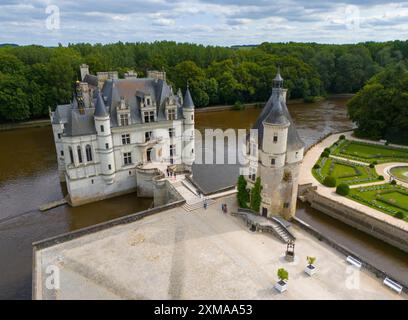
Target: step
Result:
[[196, 205]]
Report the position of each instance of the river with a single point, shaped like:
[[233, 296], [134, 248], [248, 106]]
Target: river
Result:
[[29, 178]]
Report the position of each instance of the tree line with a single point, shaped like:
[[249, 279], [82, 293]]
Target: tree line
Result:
[[35, 78]]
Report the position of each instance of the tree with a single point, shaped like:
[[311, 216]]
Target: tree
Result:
[[283, 275], [343, 189], [13, 100], [311, 260], [330, 182], [380, 108], [256, 195], [243, 194]]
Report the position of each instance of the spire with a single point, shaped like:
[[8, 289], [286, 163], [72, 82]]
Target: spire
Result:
[[100, 108], [188, 101], [278, 80]]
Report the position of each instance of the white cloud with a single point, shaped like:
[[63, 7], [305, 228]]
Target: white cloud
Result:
[[222, 22]]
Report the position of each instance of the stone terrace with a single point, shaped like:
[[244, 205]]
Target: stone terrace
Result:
[[204, 254]]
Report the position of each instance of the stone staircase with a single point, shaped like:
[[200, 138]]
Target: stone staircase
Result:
[[190, 194], [262, 224]]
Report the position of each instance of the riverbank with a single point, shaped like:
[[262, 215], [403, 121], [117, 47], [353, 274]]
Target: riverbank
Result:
[[25, 124]]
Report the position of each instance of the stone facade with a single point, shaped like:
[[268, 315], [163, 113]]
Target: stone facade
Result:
[[275, 156], [113, 127]]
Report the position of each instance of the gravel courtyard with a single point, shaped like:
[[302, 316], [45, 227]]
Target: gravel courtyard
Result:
[[203, 254]]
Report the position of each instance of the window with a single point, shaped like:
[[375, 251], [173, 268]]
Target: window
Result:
[[148, 101], [252, 174], [102, 129], [171, 114], [192, 117], [92, 181], [127, 158], [71, 155], [171, 132], [79, 154], [273, 161], [109, 167], [172, 150], [275, 137], [107, 145], [192, 150], [88, 151], [59, 135], [124, 119], [126, 138], [148, 136], [62, 153], [286, 205], [149, 116]]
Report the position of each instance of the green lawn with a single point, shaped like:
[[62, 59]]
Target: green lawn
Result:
[[344, 172], [368, 153], [386, 198]]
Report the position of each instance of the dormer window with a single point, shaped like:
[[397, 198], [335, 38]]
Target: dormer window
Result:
[[148, 116], [148, 102], [171, 114], [124, 119]]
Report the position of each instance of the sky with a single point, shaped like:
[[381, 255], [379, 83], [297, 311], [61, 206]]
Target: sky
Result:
[[208, 22]]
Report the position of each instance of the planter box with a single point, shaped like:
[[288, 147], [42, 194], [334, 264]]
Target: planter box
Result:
[[310, 269], [281, 286]]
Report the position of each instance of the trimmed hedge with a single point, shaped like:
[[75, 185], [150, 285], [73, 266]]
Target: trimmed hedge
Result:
[[325, 154], [330, 182], [343, 189], [342, 137], [316, 166], [399, 215], [393, 182]]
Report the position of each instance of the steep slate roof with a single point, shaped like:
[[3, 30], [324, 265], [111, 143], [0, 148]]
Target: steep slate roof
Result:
[[188, 101], [276, 116], [80, 124], [106, 100], [276, 111], [100, 108], [132, 90], [61, 113]]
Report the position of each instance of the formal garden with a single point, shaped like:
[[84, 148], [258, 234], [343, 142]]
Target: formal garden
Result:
[[332, 172], [368, 152], [389, 198]]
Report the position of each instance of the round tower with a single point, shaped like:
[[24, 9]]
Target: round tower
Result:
[[188, 134], [104, 138]]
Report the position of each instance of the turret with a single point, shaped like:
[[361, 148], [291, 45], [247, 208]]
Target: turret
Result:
[[104, 138], [188, 135]]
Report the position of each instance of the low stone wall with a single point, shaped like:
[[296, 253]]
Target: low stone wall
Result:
[[347, 252], [380, 229]]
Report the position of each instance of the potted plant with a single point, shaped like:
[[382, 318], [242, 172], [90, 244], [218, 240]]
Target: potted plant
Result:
[[283, 276], [310, 268]]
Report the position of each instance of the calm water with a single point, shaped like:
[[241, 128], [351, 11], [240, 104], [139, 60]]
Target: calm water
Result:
[[28, 178]]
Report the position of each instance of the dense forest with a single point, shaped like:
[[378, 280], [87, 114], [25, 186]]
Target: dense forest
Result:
[[380, 109], [34, 78]]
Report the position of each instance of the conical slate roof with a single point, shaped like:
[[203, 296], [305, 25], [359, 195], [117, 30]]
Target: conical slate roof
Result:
[[276, 112], [188, 101], [100, 108], [277, 116]]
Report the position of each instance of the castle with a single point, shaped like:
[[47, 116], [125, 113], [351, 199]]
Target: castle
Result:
[[115, 128], [275, 155]]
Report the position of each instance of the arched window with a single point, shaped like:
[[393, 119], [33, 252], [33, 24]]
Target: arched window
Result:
[[88, 151], [79, 154], [71, 155]]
